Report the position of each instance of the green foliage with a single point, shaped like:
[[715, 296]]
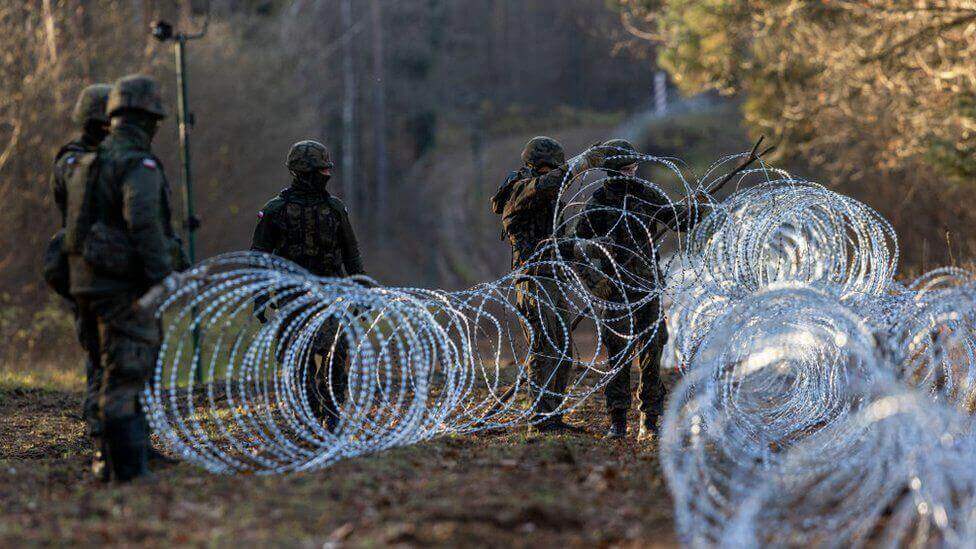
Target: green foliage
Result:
[[851, 86], [705, 44]]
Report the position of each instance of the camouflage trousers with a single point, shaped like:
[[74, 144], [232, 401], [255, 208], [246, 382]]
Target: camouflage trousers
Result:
[[327, 376], [547, 321], [121, 345], [651, 392]]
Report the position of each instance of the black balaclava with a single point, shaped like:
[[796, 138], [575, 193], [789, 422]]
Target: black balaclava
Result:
[[145, 121], [311, 181], [94, 132]]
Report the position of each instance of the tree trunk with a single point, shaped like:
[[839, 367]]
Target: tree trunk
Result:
[[348, 111], [379, 121], [52, 50]]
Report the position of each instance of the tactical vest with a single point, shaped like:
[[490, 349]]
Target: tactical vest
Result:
[[527, 217], [101, 253], [310, 229], [80, 210]]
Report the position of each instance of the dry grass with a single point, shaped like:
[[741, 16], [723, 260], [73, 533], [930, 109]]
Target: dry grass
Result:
[[510, 489]]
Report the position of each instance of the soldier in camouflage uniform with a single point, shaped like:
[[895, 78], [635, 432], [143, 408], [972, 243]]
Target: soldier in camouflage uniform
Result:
[[120, 242], [528, 202], [627, 237], [308, 226], [89, 114]]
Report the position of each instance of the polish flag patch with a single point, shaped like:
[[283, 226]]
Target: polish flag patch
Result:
[[149, 163], [260, 214]]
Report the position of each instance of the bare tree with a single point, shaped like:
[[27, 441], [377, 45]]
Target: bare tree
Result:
[[348, 111], [379, 120]]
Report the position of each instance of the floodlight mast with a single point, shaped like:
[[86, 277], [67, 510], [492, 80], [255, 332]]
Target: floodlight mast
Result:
[[164, 31]]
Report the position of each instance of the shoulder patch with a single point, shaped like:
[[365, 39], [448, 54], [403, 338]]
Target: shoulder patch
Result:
[[260, 214], [71, 159], [149, 163]]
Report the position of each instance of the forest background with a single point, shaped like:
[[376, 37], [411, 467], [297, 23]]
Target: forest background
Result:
[[425, 105]]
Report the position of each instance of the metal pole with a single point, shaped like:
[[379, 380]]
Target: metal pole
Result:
[[660, 93], [185, 120]]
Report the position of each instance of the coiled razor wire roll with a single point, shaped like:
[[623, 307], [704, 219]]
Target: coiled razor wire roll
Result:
[[821, 403], [824, 404], [242, 335], [781, 365]]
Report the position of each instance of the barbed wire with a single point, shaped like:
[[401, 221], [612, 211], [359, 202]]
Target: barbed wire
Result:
[[820, 401]]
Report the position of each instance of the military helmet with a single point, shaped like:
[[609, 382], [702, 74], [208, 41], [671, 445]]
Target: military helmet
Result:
[[91, 104], [136, 92], [617, 154], [308, 156], [543, 151]]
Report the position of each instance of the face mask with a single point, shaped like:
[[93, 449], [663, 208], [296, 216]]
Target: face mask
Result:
[[319, 179], [151, 125], [315, 180], [144, 122], [96, 130]]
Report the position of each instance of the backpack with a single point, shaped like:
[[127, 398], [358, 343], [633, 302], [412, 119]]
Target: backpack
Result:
[[106, 249]]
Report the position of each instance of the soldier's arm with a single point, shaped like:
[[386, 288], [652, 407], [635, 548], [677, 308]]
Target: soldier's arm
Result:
[[677, 216], [265, 237], [554, 179], [593, 158], [59, 188], [351, 258], [142, 209], [504, 192]]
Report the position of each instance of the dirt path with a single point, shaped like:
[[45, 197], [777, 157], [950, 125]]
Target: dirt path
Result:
[[513, 489]]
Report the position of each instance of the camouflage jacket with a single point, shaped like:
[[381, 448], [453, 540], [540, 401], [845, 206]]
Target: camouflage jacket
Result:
[[131, 196], [311, 228], [528, 202], [65, 163], [647, 210]]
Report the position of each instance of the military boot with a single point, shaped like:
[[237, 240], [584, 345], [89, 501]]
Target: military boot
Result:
[[127, 442], [648, 428], [618, 424]]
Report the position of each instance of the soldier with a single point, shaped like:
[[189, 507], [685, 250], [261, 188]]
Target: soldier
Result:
[[89, 114], [528, 202], [120, 242], [627, 239], [308, 226]]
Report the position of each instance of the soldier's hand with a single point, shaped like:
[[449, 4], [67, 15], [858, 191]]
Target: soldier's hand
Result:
[[168, 285]]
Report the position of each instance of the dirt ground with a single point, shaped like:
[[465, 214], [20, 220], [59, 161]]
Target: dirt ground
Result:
[[509, 489]]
